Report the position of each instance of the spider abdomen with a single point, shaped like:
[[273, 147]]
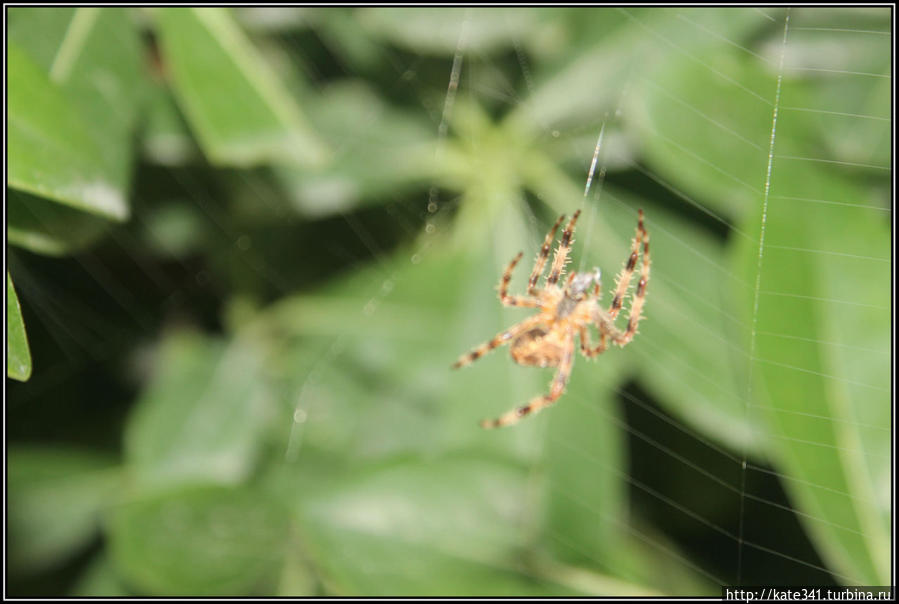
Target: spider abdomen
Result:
[[538, 347], [567, 310]]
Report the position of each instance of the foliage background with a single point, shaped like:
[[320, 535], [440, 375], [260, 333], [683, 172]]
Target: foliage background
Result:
[[247, 244]]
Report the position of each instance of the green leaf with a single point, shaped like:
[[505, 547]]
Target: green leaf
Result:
[[849, 111], [201, 416], [176, 228], [608, 78], [849, 84], [689, 350], [56, 497], [166, 139], [268, 19], [382, 153], [94, 56], [706, 120], [355, 399], [51, 151], [411, 314], [46, 227], [100, 580], [25, 22], [708, 133], [211, 541], [297, 577], [821, 325], [231, 98], [18, 360], [440, 30], [419, 527], [585, 518], [346, 36]]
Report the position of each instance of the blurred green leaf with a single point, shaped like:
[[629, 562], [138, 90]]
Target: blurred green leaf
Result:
[[681, 302], [582, 89], [100, 580], [380, 153], [26, 22], [704, 131], [816, 52], [273, 18], [855, 125], [165, 136], [46, 227], [608, 77], [821, 362], [233, 101], [96, 61], [689, 350], [56, 497], [297, 577], [707, 124], [393, 330], [399, 319], [18, 360], [176, 228], [584, 517], [346, 36], [587, 520], [445, 526], [199, 542], [199, 419], [51, 150], [443, 31], [391, 486]]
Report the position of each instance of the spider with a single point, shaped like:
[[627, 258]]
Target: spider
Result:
[[547, 339]]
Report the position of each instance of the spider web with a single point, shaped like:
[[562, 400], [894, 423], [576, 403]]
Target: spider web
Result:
[[594, 181], [666, 520]]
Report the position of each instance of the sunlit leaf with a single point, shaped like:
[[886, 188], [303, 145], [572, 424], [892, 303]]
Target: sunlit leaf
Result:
[[232, 99], [93, 56], [51, 151]]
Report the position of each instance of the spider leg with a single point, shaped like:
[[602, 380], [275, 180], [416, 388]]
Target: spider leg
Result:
[[561, 256], [587, 347], [542, 256], [501, 338], [624, 279], [504, 296], [634, 317], [536, 404]]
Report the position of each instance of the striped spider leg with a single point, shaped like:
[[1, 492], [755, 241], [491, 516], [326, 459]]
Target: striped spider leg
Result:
[[547, 339], [624, 280], [537, 403]]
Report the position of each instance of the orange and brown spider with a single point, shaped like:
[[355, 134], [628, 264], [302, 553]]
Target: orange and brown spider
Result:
[[547, 339]]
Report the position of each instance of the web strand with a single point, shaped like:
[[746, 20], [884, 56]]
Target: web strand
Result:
[[758, 281]]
